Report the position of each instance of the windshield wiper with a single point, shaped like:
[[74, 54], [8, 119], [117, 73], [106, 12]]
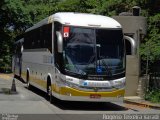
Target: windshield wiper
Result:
[[89, 62], [79, 72], [76, 70], [105, 65], [101, 58]]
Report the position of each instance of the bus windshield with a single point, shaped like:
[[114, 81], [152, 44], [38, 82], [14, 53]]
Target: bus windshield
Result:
[[92, 51]]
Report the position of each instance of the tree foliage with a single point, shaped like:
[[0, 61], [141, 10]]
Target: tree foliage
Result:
[[151, 46], [17, 15]]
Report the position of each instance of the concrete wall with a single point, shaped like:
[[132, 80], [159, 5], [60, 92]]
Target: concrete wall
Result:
[[132, 75], [131, 24], [135, 27]]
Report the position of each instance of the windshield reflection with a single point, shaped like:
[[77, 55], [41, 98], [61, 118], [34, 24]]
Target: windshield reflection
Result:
[[94, 51]]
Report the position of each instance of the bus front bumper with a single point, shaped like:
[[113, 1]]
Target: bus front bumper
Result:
[[71, 94]]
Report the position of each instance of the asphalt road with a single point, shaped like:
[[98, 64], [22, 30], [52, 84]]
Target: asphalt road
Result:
[[32, 104]]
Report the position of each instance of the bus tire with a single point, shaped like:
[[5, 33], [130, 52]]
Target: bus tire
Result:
[[49, 90], [28, 81]]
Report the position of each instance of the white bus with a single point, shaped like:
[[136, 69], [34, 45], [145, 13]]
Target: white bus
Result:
[[74, 57]]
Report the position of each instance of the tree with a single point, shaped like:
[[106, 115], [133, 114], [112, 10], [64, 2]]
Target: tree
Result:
[[15, 17], [18, 15], [152, 41]]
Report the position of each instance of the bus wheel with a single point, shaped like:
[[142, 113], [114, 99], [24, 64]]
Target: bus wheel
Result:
[[49, 91], [27, 81]]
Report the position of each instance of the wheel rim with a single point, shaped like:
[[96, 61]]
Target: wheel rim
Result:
[[27, 78], [50, 93], [28, 84], [28, 81]]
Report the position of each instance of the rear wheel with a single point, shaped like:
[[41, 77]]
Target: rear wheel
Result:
[[49, 91]]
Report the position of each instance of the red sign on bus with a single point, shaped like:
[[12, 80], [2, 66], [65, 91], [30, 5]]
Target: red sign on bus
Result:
[[66, 32]]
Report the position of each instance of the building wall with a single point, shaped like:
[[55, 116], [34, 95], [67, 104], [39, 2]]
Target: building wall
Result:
[[132, 75], [135, 27], [131, 24]]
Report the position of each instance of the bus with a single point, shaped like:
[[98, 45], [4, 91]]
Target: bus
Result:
[[74, 57]]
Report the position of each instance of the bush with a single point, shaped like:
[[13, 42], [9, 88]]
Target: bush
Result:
[[153, 96]]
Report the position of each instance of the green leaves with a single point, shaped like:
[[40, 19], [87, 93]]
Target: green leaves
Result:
[[17, 15], [151, 46], [153, 95]]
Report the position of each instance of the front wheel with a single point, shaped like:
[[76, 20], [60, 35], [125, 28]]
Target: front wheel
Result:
[[27, 81]]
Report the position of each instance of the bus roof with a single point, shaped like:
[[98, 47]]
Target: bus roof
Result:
[[79, 19]]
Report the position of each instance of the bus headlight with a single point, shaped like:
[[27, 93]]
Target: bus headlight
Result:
[[120, 83], [65, 82], [72, 82], [61, 81]]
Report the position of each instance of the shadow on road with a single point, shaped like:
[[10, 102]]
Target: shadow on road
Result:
[[85, 106], [89, 106], [19, 78]]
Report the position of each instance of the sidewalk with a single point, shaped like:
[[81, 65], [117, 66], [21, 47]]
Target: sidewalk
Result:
[[6, 84], [6, 76], [136, 100]]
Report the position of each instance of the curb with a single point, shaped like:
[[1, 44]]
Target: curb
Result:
[[144, 104]]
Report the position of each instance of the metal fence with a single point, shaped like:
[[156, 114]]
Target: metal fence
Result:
[[154, 80]]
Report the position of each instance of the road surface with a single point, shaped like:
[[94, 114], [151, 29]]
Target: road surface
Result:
[[32, 104]]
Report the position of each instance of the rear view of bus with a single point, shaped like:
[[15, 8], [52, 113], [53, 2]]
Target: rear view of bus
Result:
[[89, 57]]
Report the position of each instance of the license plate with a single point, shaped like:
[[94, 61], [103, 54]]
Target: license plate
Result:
[[95, 96]]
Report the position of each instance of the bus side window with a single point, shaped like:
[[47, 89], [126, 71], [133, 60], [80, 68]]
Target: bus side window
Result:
[[39, 37], [46, 37]]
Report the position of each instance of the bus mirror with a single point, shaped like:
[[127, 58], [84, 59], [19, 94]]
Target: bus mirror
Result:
[[59, 42]]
